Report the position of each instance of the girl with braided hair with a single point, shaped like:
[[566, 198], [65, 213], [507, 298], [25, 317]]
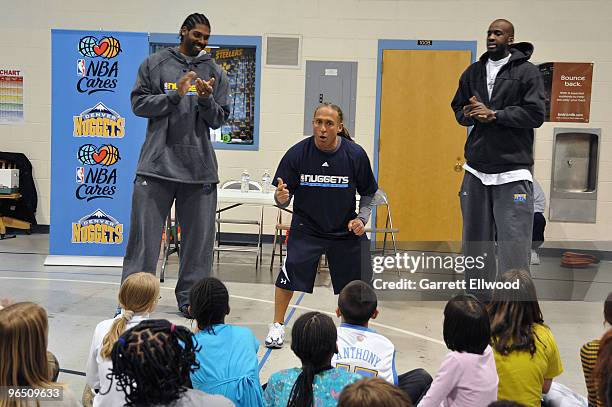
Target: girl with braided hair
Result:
[[152, 363], [138, 297], [228, 355], [317, 383]]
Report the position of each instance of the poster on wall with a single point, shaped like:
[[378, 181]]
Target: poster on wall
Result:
[[568, 91], [95, 140], [11, 96], [240, 64]]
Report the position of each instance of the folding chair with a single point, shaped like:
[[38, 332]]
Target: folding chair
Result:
[[380, 200], [278, 238], [236, 185]]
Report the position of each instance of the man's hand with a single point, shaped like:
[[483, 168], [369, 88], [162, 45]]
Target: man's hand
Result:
[[479, 111], [282, 193], [356, 226], [204, 88], [183, 85]]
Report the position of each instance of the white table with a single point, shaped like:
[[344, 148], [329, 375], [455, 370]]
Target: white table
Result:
[[235, 196]]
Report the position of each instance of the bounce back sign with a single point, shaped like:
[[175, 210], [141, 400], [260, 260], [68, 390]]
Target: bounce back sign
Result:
[[96, 140]]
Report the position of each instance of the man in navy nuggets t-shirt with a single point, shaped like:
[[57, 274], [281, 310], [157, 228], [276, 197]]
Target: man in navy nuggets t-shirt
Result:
[[323, 173]]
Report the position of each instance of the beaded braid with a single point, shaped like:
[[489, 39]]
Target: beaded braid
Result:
[[152, 362]]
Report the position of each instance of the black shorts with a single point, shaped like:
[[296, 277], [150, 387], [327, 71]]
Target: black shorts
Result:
[[348, 259]]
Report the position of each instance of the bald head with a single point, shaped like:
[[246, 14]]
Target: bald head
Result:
[[507, 25], [500, 37]]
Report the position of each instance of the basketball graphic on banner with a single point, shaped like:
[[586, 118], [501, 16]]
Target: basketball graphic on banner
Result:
[[112, 155]]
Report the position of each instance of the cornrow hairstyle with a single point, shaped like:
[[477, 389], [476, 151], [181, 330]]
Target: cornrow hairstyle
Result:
[[313, 340], [344, 133], [138, 293], [152, 362], [513, 314], [192, 20], [209, 302]]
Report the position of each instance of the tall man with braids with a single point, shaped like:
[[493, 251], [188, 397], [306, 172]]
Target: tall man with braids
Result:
[[151, 365], [182, 92], [322, 174]]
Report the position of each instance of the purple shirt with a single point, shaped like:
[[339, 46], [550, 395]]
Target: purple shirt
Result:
[[465, 380]]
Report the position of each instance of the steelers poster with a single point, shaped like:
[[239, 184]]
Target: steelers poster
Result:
[[95, 140]]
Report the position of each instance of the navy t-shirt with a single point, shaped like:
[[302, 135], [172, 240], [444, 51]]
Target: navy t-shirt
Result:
[[323, 185]]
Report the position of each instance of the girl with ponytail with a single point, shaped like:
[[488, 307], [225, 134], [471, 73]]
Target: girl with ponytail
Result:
[[313, 340], [138, 297]]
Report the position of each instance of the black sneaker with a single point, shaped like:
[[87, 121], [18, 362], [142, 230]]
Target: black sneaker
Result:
[[185, 311]]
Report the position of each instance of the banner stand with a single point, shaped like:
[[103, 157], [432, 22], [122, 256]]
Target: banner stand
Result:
[[95, 144]]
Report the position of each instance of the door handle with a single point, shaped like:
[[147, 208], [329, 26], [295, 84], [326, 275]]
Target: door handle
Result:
[[458, 165]]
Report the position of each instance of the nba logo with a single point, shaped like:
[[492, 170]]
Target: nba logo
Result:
[[81, 67], [80, 175]]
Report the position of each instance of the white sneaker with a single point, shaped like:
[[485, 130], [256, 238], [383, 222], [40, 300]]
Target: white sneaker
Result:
[[276, 336], [535, 258]]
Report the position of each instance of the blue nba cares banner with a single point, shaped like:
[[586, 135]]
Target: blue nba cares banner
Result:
[[95, 140]]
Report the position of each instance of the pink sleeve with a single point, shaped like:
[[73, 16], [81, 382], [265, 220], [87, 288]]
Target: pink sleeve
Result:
[[444, 382]]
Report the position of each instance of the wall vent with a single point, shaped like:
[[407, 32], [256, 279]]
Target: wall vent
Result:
[[283, 51]]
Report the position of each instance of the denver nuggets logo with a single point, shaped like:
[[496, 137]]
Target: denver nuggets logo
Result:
[[520, 197], [106, 155], [107, 47], [99, 121], [97, 227]]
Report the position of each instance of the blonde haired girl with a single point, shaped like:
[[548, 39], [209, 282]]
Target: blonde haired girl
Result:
[[23, 354], [138, 297]]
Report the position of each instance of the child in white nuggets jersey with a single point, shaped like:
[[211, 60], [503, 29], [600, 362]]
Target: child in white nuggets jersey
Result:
[[364, 351]]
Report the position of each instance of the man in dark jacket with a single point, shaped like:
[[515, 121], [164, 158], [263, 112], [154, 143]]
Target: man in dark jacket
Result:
[[502, 97], [182, 92]]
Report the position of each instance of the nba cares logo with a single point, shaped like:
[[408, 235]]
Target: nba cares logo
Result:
[[107, 47], [105, 155]]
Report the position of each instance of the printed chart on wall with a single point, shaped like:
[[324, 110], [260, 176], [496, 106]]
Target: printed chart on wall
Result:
[[95, 140], [11, 96]]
